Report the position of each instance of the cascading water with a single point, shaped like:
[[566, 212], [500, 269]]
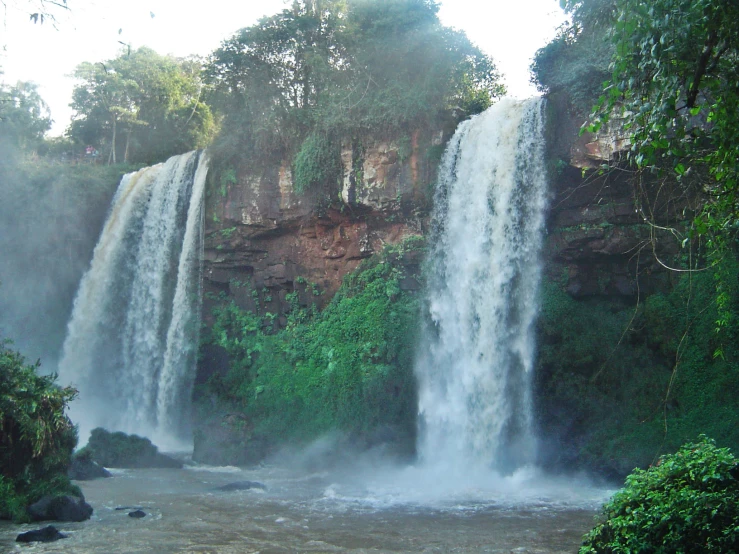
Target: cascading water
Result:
[[132, 339], [475, 363]]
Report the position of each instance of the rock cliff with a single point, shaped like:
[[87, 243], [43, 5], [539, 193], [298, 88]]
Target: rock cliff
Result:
[[264, 240], [610, 240]]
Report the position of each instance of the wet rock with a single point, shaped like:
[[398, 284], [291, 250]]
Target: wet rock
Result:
[[60, 508], [47, 534], [242, 486], [127, 451], [138, 514], [128, 508], [84, 468]]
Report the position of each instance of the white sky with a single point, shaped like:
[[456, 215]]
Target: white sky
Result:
[[509, 30]]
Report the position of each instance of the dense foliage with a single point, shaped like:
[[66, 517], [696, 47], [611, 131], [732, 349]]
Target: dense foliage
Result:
[[140, 107], [24, 116], [671, 88], [621, 384], [36, 437], [686, 502], [576, 61], [347, 369], [329, 69]]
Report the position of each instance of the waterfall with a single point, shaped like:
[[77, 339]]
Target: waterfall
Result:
[[475, 362], [132, 339]]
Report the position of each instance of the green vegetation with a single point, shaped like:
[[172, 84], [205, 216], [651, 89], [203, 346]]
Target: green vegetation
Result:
[[346, 369], [686, 502], [293, 85], [317, 162], [121, 450], [140, 107], [624, 383], [671, 86], [24, 116], [575, 62], [632, 382], [36, 437]]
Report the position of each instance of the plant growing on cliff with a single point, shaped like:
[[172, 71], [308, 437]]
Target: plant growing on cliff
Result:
[[686, 502], [346, 369], [318, 163], [36, 437]]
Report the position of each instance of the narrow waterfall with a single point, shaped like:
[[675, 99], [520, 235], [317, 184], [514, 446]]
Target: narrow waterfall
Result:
[[131, 342], [475, 362]]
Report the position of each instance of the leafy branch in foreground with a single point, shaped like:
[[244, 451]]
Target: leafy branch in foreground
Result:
[[686, 502], [673, 88], [36, 437]]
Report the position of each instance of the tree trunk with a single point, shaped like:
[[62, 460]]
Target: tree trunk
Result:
[[128, 140], [111, 156]]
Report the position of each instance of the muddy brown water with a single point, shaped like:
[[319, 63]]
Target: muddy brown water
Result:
[[373, 511]]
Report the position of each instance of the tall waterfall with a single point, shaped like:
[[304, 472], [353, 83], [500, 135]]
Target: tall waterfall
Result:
[[475, 362], [131, 342]]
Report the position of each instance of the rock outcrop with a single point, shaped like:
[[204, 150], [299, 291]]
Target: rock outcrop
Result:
[[264, 240], [60, 508]]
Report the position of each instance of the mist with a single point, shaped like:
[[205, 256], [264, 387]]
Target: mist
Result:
[[50, 218]]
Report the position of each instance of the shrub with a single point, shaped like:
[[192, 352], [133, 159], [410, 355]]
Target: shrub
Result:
[[317, 163], [686, 502], [36, 437]]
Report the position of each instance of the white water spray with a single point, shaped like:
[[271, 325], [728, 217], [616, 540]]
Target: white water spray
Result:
[[132, 339], [474, 367]]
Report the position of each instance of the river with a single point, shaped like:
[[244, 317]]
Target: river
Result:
[[371, 509]]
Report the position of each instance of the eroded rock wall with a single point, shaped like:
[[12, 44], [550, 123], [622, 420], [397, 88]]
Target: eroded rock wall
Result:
[[265, 240]]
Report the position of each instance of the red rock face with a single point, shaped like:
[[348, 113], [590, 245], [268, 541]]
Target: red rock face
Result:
[[264, 240]]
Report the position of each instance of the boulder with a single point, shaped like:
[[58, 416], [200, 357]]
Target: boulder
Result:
[[84, 468], [47, 534], [138, 514], [60, 508], [125, 451], [242, 486]]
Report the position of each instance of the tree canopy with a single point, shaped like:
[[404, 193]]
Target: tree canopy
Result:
[[672, 78], [140, 107], [338, 67], [24, 116]]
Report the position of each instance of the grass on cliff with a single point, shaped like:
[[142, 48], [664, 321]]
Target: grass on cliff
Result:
[[347, 369], [36, 437], [626, 384]]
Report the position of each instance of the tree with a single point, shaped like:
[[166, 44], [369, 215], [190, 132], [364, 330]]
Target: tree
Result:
[[24, 116], [39, 11], [140, 107], [330, 68], [673, 84]]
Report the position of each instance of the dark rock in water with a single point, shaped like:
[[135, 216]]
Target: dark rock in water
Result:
[[84, 468], [47, 534], [138, 514], [60, 508], [128, 508], [242, 486], [127, 451]]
